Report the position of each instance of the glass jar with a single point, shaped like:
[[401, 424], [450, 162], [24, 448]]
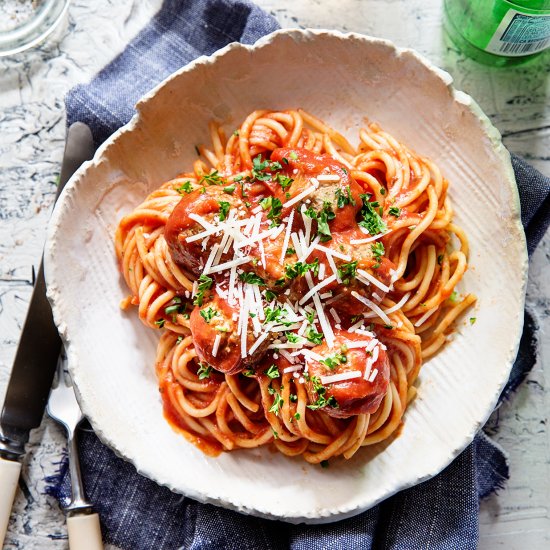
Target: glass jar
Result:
[[26, 23], [499, 32]]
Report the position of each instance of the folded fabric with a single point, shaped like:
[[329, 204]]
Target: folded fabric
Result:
[[138, 514]]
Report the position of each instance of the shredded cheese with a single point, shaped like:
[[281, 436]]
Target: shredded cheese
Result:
[[227, 265], [348, 375], [369, 239], [372, 306], [335, 253], [425, 317], [216, 345], [316, 288], [373, 280], [300, 196]]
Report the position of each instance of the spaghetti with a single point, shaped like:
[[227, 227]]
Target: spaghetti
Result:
[[299, 283]]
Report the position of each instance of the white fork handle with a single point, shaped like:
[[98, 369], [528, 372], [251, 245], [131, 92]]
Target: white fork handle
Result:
[[84, 532], [9, 476]]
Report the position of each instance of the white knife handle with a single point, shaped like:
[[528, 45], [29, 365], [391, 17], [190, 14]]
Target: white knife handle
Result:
[[84, 532], [9, 477]]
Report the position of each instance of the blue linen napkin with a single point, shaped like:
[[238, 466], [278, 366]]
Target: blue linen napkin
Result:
[[135, 512]]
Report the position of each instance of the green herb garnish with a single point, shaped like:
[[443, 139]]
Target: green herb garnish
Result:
[[332, 361], [213, 178], [299, 269], [272, 372], [371, 221], [321, 401], [261, 170], [204, 371], [284, 181], [208, 313], [224, 209], [343, 197], [378, 250], [204, 283], [313, 336], [278, 401], [347, 272], [275, 207], [251, 278], [394, 211], [184, 188]]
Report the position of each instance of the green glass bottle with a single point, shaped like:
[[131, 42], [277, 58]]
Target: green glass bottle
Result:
[[499, 32]]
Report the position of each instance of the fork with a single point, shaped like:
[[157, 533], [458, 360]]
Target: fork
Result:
[[82, 524]]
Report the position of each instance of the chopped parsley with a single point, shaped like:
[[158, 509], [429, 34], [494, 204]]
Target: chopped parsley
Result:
[[208, 313], [347, 271], [180, 338], [313, 336], [273, 314], [213, 178], [290, 251], [174, 307], [284, 181], [378, 250], [204, 283], [325, 215], [204, 371], [299, 269], [394, 211], [248, 373], [230, 189], [236, 133], [160, 322], [343, 197], [332, 361], [472, 320], [293, 155], [322, 400], [371, 221], [292, 337], [184, 188], [261, 170], [270, 295], [293, 397], [275, 434], [224, 209], [275, 207], [297, 416], [251, 278], [324, 464], [272, 372], [454, 297], [278, 401], [440, 259]]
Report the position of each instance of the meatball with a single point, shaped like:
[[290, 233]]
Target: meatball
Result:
[[216, 318], [340, 194], [354, 396], [211, 203]]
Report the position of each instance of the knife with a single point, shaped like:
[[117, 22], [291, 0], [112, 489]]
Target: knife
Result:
[[36, 358]]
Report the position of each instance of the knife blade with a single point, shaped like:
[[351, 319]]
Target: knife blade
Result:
[[37, 353]]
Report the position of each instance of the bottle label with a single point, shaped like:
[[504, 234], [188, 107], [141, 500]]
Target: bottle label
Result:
[[520, 34]]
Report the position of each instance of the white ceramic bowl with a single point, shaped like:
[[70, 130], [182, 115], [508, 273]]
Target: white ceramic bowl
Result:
[[341, 78]]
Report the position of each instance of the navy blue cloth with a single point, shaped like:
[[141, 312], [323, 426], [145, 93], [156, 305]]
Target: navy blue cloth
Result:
[[137, 514]]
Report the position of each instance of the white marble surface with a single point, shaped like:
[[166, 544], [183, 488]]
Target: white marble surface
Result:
[[32, 127]]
